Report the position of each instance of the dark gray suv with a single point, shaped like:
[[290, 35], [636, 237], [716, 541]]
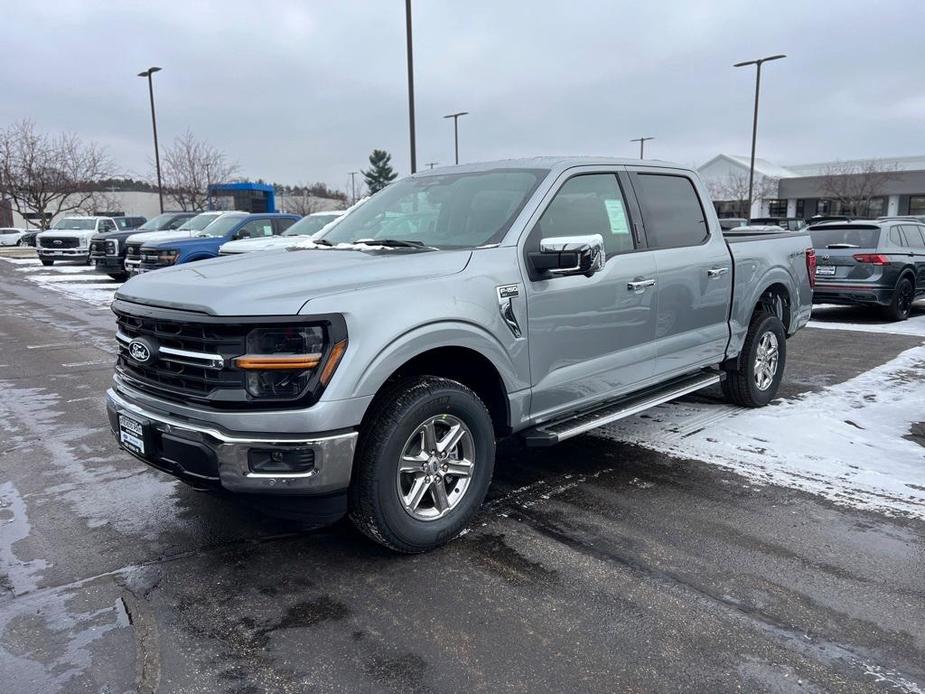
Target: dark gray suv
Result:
[[874, 263]]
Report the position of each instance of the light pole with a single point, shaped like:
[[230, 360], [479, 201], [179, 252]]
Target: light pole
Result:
[[157, 156], [642, 144], [353, 185], [751, 169], [455, 117], [410, 51]]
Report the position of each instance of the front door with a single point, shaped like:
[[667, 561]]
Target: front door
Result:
[[590, 337], [694, 272]]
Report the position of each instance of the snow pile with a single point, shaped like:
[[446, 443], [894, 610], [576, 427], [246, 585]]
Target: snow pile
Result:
[[850, 443]]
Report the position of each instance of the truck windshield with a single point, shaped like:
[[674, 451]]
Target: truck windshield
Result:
[[845, 236], [75, 224], [463, 210], [309, 225], [158, 223], [199, 222], [220, 226]]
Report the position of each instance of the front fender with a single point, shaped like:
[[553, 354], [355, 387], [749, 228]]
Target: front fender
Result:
[[424, 338]]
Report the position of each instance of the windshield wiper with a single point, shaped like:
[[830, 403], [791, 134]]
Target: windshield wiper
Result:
[[394, 243], [321, 242]]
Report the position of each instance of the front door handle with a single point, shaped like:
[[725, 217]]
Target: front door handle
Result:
[[639, 286], [717, 271]]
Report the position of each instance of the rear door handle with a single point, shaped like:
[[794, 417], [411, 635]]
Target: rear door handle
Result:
[[640, 286], [717, 271]]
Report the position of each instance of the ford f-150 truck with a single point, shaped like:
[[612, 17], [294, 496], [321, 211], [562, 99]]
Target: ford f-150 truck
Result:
[[108, 250], [190, 227], [372, 371], [206, 243]]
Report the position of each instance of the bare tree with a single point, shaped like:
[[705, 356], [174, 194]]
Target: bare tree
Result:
[[853, 185], [734, 188], [299, 200], [47, 175], [190, 166]]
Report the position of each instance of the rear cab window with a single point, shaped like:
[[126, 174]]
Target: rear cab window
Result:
[[672, 211]]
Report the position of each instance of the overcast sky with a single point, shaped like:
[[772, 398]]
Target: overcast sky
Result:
[[303, 90]]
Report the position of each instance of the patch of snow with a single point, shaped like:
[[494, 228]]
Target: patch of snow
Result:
[[22, 261], [912, 326], [846, 443]]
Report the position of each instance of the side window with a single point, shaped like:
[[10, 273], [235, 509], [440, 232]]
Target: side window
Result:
[[914, 236], [255, 229], [106, 225], [587, 204], [672, 212], [896, 237], [176, 222], [283, 224]]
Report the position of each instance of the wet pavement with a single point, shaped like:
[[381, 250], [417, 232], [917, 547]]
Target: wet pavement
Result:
[[595, 565]]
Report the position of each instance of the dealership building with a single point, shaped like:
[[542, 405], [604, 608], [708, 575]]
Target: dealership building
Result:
[[798, 190]]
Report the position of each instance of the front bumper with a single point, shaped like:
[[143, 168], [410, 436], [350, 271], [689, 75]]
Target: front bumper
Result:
[[64, 253], [205, 455], [108, 262]]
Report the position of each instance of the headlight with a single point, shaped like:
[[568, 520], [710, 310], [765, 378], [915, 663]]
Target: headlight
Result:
[[281, 362], [112, 247]]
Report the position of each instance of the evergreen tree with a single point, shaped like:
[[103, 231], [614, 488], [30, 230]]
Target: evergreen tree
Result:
[[380, 172]]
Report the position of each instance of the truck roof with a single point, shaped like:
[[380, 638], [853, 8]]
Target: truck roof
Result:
[[553, 163]]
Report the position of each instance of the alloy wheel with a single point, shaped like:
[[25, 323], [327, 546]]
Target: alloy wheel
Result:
[[436, 467], [767, 357]]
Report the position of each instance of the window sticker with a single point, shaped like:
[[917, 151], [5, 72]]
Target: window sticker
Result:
[[617, 216]]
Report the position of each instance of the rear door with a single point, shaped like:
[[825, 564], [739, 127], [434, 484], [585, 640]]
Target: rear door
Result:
[[915, 240], [590, 338], [694, 267]]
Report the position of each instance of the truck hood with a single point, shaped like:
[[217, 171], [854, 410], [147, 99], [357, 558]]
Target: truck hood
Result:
[[154, 236], [280, 282], [264, 244]]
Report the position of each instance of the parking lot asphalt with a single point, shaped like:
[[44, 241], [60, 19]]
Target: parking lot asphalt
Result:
[[595, 565]]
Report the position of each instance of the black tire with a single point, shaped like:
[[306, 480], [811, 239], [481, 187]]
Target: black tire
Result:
[[901, 305], [46, 262], [374, 504], [119, 276], [740, 386]]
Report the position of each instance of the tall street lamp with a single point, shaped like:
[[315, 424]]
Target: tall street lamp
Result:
[[410, 51], [157, 156], [353, 185], [642, 145], [751, 169], [455, 117]]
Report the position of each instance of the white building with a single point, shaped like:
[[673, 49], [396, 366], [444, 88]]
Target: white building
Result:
[[797, 190]]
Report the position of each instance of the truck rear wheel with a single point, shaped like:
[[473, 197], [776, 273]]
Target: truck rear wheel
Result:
[[424, 463], [761, 364]]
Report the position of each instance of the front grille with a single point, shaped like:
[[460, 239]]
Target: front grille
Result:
[[97, 248], [184, 379], [52, 242], [150, 258]]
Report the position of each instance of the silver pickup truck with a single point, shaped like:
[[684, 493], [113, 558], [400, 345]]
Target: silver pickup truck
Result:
[[372, 371]]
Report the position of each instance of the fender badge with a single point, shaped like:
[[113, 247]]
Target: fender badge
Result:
[[508, 291]]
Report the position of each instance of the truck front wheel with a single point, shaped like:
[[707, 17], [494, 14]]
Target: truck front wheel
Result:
[[424, 462], [47, 261], [761, 364]]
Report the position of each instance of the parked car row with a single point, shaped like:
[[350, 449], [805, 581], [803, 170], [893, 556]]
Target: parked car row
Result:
[[69, 238]]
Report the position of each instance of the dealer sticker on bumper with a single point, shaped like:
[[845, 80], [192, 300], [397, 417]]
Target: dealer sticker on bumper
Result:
[[131, 434]]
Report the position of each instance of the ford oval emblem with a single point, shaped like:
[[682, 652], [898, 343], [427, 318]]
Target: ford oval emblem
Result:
[[139, 351]]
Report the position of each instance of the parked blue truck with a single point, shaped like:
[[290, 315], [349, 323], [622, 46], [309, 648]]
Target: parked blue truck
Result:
[[206, 243]]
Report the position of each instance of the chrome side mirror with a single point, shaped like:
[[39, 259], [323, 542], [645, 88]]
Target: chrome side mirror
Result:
[[569, 255]]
